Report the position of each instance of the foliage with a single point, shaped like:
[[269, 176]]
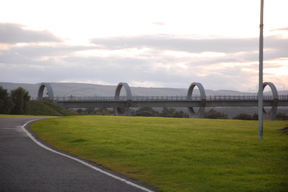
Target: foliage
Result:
[[14, 103], [93, 111], [177, 154], [104, 111], [89, 111], [171, 112], [6, 103], [146, 112], [213, 114], [20, 97], [243, 116], [255, 116], [166, 112]]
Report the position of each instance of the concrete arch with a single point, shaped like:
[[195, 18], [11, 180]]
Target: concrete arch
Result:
[[49, 90], [201, 111], [126, 111], [271, 115]]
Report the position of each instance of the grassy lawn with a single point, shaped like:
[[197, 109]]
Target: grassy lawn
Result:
[[178, 154], [11, 116]]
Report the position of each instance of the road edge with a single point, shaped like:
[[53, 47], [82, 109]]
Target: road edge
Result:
[[39, 142]]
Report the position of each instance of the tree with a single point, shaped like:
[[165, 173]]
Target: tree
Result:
[[171, 112], [255, 116], [168, 112], [103, 111], [94, 111], [89, 111], [80, 111], [20, 97], [213, 114], [146, 111], [243, 116], [6, 103], [181, 114]]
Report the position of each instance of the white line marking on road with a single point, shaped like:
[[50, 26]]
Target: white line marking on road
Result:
[[82, 162]]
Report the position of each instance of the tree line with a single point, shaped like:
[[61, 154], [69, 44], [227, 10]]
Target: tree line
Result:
[[143, 111], [15, 102], [172, 112]]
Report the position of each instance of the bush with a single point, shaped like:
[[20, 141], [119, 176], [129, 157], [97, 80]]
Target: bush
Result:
[[166, 112], [94, 111], [213, 114], [103, 111], [243, 116], [145, 111], [171, 112]]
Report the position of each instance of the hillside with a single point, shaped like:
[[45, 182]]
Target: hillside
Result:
[[47, 108]]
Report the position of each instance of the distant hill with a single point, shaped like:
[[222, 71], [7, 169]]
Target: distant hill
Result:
[[82, 89]]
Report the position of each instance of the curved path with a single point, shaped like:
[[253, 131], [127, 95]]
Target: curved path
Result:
[[26, 166]]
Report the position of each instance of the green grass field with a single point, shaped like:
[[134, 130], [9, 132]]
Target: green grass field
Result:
[[178, 154], [13, 116]]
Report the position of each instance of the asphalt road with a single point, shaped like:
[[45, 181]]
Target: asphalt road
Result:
[[26, 166]]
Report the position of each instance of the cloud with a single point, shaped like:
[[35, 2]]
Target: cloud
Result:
[[275, 47], [158, 23], [280, 29], [11, 33], [59, 50], [245, 48], [39, 54], [176, 43], [146, 60]]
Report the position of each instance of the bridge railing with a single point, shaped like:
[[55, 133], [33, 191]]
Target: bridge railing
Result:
[[170, 98], [283, 97], [84, 98], [123, 98]]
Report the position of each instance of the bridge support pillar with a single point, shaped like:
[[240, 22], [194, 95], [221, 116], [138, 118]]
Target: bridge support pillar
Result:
[[126, 111], [49, 90], [201, 111], [271, 115]]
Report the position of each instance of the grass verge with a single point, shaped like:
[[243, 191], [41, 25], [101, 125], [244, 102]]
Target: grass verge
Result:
[[177, 154], [11, 116]]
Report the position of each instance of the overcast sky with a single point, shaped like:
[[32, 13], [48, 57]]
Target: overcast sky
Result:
[[146, 43]]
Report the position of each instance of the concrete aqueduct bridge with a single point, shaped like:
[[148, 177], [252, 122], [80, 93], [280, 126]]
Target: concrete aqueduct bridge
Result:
[[122, 105]]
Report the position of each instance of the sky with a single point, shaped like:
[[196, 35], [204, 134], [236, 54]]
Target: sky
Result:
[[151, 43]]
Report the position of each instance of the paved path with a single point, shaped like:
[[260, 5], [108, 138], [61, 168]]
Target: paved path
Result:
[[26, 166]]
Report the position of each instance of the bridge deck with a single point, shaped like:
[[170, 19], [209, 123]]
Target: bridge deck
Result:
[[175, 101]]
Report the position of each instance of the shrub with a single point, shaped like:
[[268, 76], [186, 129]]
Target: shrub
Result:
[[146, 111], [213, 114], [243, 116]]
